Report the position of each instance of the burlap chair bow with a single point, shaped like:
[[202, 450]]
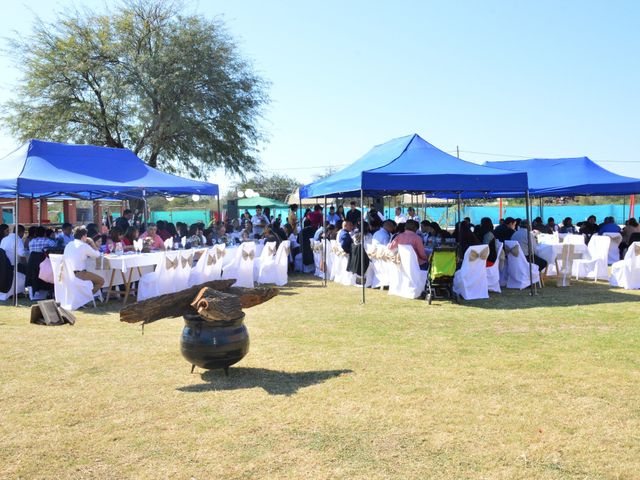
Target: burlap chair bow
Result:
[[172, 263], [220, 253], [317, 248], [636, 250], [187, 261], [212, 259], [616, 239], [248, 255], [61, 274], [515, 250], [482, 254], [271, 249]]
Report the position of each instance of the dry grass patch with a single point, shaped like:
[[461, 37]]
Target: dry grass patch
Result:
[[513, 387]]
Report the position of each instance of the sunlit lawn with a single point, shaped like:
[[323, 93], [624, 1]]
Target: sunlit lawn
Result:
[[514, 387]]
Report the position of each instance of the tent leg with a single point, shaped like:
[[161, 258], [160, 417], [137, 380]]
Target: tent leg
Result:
[[219, 211], [532, 287], [324, 243], [15, 251], [362, 244]]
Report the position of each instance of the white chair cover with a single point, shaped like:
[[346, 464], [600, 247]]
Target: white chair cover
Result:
[[162, 279], [185, 265], [410, 281], [243, 271], [596, 265], [614, 250], [626, 273], [200, 272], [70, 292], [518, 267], [493, 272], [267, 258], [213, 271], [276, 271], [168, 243], [340, 263], [471, 280]]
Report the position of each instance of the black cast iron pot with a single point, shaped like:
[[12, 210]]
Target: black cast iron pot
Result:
[[214, 344]]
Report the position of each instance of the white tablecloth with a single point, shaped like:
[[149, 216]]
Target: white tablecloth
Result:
[[549, 251]]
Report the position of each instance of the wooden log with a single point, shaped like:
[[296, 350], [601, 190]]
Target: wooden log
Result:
[[250, 297], [179, 303], [213, 305], [168, 305]]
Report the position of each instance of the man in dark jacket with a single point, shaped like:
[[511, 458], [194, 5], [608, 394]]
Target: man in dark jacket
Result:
[[506, 230]]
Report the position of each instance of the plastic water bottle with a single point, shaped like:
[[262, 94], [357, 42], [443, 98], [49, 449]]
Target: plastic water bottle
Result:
[[119, 248]]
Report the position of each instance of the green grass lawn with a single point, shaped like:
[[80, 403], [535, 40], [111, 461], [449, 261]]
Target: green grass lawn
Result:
[[513, 387]]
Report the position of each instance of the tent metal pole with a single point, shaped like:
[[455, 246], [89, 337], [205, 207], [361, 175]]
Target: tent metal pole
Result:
[[15, 250], [459, 252], [532, 287], [219, 211], [362, 243], [324, 241]]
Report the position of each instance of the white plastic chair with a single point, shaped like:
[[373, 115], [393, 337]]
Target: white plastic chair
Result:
[[626, 273], [70, 292], [276, 271], [410, 281], [493, 272], [185, 265], [596, 265], [471, 280], [162, 279], [518, 267], [340, 263], [242, 268], [573, 239], [614, 247], [563, 263]]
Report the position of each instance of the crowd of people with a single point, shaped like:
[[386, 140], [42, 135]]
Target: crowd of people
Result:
[[348, 227]]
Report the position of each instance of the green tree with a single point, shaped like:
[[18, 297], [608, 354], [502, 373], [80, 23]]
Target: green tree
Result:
[[274, 186], [171, 87]]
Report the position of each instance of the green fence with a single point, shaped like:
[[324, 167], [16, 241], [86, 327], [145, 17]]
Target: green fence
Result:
[[185, 216]]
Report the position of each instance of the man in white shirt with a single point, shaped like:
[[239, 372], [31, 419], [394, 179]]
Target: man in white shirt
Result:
[[523, 237], [76, 254], [400, 218], [8, 244], [383, 235], [259, 221]]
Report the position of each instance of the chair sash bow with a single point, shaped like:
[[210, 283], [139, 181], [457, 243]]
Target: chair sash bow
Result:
[[172, 263], [212, 259], [515, 250], [248, 255], [187, 261], [482, 254]]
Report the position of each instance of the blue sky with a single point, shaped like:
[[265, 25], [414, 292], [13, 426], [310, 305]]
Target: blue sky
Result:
[[535, 78]]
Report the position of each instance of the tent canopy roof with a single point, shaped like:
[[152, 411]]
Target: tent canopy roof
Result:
[[569, 176], [262, 201], [52, 169], [411, 164]]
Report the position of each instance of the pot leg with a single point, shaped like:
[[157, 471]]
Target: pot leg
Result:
[[193, 367]]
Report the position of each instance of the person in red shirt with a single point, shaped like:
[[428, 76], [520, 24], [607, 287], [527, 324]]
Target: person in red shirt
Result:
[[315, 217], [410, 237]]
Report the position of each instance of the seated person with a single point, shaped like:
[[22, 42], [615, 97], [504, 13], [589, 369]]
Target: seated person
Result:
[[590, 227], [383, 235], [523, 237], [551, 226], [77, 253], [609, 226], [40, 242], [344, 236], [567, 227], [129, 236], [66, 235], [195, 237], [484, 233], [465, 238], [410, 237], [151, 238], [505, 230]]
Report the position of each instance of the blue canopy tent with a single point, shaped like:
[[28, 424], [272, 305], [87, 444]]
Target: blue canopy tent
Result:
[[47, 169], [412, 165], [555, 177], [41, 169]]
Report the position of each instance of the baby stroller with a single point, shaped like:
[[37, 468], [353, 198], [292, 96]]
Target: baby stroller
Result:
[[441, 270]]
